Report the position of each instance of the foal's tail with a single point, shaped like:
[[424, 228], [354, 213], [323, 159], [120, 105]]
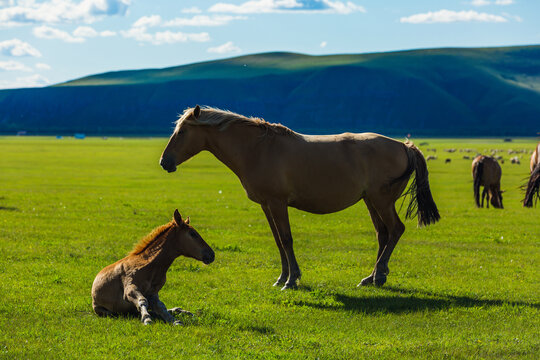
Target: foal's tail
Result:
[[421, 203], [478, 171], [532, 194]]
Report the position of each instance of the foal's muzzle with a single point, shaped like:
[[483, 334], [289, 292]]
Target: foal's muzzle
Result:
[[208, 257], [168, 164]]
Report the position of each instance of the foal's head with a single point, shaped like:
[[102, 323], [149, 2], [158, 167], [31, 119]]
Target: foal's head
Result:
[[185, 142], [188, 242]]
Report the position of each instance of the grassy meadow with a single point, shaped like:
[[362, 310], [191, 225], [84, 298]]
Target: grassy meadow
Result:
[[466, 287]]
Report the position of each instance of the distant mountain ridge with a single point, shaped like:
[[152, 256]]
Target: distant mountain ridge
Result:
[[432, 92]]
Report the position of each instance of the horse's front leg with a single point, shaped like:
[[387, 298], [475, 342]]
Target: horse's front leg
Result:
[[134, 296], [279, 214], [161, 310], [284, 262]]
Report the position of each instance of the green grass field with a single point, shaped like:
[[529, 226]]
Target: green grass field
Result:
[[467, 287]]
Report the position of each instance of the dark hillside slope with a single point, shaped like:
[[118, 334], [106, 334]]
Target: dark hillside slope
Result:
[[442, 92]]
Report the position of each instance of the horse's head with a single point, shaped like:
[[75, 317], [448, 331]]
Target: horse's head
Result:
[[185, 141], [496, 199], [188, 241]]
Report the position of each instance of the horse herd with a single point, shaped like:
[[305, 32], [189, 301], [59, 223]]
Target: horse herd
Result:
[[280, 168]]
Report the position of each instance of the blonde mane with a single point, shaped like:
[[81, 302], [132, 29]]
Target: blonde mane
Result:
[[150, 239], [223, 118]]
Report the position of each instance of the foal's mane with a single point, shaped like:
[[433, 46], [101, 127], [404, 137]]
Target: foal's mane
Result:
[[147, 241], [223, 118]]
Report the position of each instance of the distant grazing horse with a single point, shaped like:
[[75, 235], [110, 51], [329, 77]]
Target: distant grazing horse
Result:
[[487, 172], [131, 285], [533, 186], [319, 174]]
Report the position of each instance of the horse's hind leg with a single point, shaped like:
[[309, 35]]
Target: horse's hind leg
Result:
[[395, 227], [382, 238], [485, 195], [101, 311], [284, 262]]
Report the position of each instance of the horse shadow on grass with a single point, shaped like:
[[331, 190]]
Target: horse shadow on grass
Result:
[[398, 300]]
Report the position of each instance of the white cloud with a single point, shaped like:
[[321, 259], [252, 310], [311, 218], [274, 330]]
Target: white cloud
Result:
[[35, 80], [323, 44], [43, 66], [148, 21], [192, 10], [504, 2], [107, 33], [204, 20], [60, 11], [11, 65], [480, 2], [16, 47], [85, 31], [448, 16], [90, 32], [283, 6], [47, 32], [488, 2], [226, 48], [165, 37]]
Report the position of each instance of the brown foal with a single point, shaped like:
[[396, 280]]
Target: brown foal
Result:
[[131, 285]]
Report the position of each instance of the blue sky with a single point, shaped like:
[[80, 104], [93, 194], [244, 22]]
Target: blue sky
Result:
[[44, 42]]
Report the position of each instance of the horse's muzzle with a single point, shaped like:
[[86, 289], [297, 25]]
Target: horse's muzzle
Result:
[[168, 164], [208, 257]]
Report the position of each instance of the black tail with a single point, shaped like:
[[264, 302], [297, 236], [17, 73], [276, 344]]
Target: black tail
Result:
[[477, 179], [532, 194], [422, 203]]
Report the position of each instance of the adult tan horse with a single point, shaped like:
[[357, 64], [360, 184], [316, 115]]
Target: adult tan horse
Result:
[[533, 186], [487, 172], [131, 285], [320, 174]]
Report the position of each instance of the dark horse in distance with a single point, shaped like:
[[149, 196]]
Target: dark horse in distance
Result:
[[487, 172]]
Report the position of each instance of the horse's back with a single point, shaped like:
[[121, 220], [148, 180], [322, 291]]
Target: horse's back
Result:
[[328, 173], [491, 170]]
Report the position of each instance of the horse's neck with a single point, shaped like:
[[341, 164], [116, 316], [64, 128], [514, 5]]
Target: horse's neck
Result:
[[234, 146], [160, 256]]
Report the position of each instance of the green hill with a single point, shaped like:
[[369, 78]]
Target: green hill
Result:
[[443, 92]]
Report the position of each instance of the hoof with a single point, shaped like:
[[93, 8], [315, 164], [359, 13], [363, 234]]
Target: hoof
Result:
[[147, 321], [177, 310], [366, 281], [379, 281], [291, 286], [178, 323], [280, 281]]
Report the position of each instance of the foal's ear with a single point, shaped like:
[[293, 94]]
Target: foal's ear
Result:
[[197, 111], [187, 221], [177, 218]]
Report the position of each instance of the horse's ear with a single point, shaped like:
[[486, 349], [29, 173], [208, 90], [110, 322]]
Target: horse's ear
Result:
[[177, 218], [187, 221], [197, 111]]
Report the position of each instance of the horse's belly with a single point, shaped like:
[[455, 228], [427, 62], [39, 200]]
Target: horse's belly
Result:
[[323, 205]]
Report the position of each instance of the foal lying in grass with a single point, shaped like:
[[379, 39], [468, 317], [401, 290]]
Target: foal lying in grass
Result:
[[131, 285]]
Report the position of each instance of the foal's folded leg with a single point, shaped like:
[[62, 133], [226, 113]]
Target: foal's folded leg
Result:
[[178, 310], [159, 307], [134, 296]]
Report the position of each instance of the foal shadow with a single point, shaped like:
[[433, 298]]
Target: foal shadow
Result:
[[401, 300]]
